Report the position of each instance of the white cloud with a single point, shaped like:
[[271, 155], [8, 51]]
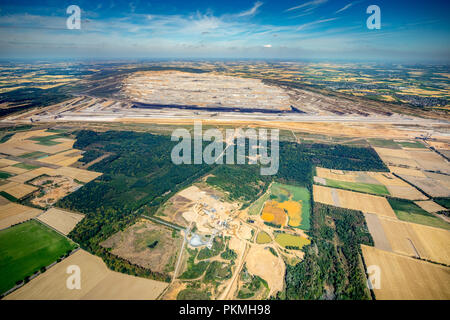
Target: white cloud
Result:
[[347, 6], [308, 5], [267, 46]]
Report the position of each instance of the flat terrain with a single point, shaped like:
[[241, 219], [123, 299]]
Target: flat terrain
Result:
[[61, 220], [410, 239], [203, 90], [26, 248], [263, 263], [378, 183], [405, 278], [97, 283]]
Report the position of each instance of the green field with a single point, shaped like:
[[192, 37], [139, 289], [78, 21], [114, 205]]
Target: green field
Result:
[[284, 192], [26, 248], [288, 240], [5, 175], [408, 211], [359, 186], [25, 166], [263, 238]]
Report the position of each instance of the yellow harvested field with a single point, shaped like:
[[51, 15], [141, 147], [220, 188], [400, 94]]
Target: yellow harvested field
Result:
[[340, 175], [61, 220], [17, 190], [7, 162], [34, 146], [387, 179], [353, 200], [405, 278], [261, 262], [13, 213], [430, 206], [97, 283], [79, 174], [21, 178], [417, 240], [68, 161], [386, 152]]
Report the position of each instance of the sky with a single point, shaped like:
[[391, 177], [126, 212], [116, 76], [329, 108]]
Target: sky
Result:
[[411, 31]]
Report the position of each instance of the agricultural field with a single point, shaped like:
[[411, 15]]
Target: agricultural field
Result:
[[378, 183], [13, 213], [291, 241], [430, 206], [15, 189], [400, 276], [26, 248], [353, 200], [97, 283], [412, 212], [410, 239], [61, 220], [51, 189], [274, 214]]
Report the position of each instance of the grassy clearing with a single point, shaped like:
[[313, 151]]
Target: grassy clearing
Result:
[[408, 211], [26, 248], [263, 238], [34, 155], [359, 187], [288, 240]]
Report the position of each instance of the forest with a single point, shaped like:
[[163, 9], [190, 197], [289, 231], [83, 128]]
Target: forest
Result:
[[332, 267], [139, 176]]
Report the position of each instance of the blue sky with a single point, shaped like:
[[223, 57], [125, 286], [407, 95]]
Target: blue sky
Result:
[[411, 31]]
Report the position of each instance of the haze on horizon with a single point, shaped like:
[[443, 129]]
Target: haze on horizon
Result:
[[411, 31]]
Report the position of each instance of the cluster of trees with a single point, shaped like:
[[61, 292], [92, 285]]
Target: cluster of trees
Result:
[[241, 182], [332, 267]]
